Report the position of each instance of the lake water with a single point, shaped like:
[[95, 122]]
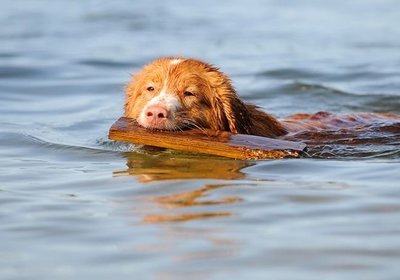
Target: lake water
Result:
[[75, 205]]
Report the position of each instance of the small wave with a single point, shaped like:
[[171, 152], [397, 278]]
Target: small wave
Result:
[[308, 97], [19, 72], [303, 89], [358, 73], [381, 103], [351, 152], [101, 145], [289, 73], [299, 97], [377, 45], [106, 63], [297, 87], [380, 140], [61, 146], [116, 146], [8, 54]]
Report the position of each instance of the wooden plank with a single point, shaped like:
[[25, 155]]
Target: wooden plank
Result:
[[221, 143]]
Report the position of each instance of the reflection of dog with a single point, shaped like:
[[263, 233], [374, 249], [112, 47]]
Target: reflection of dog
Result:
[[190, 199], [182, 167], [178, 93]]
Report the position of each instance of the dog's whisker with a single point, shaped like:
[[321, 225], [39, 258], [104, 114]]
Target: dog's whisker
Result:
[[195, 125]]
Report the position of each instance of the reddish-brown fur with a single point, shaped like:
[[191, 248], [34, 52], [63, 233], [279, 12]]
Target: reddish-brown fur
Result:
[[214, 104]]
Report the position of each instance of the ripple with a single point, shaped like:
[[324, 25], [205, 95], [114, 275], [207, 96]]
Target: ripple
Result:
[[101, 145], [107, 63], [103, 148], [289, 73], [297, 87], [14, 141], [376, 143], [8, 54], [302, 97], [19, 72]]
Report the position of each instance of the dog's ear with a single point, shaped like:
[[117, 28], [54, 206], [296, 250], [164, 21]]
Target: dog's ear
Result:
[[234, 112], [132, 94], [230, 112], [130, 90]]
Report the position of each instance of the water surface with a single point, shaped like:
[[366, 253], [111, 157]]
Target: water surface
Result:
[[78, 206]]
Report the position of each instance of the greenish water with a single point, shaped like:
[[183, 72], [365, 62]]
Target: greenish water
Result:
[[75, 205]]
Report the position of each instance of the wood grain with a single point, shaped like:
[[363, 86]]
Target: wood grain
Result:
[[221, 143]]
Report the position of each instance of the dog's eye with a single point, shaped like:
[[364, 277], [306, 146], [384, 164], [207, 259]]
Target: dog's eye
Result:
[[150, 88], [188, 93]]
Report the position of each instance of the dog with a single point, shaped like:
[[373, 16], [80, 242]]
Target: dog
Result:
[[177, 93]]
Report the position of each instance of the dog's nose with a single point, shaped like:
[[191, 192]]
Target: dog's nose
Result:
[[156, 113]]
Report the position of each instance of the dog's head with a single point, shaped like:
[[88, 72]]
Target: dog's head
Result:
[[177, 93]]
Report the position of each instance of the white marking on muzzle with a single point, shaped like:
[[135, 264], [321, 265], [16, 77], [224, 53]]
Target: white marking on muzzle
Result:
[[167, 100]]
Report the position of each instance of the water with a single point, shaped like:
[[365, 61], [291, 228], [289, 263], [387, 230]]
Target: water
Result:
[[75, 205]]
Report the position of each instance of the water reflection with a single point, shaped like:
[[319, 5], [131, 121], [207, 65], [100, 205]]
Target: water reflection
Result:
[[189, 199], [178, 166], [165, 166]]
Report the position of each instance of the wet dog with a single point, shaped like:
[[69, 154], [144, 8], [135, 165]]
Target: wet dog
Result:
[[178, 93]]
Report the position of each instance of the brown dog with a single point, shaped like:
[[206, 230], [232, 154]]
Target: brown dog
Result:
[[178, 93]]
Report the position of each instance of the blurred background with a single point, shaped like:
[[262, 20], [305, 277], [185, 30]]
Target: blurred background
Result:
[[76, 205]]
